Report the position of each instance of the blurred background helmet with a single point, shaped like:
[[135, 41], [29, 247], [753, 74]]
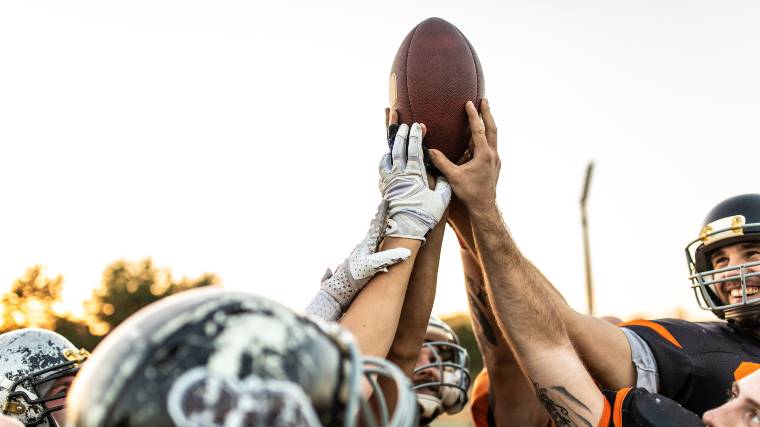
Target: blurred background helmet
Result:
[[31, 360], [442, 384], [734, 220], [212, 357]]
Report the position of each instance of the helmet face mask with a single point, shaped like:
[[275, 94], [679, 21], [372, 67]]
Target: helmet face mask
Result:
[[32, 360], [442, 383], [730, 225]]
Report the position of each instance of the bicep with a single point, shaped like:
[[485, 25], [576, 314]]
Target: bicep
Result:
[[605, 350]]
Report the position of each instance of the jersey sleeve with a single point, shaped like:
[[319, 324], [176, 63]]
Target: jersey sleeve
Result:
[[640, 408], [674, 365], [480, 407]]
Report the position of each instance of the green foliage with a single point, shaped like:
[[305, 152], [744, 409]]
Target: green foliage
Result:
[[30, 301], [462, 325], [126, 287], [129, 286], [77, 331]]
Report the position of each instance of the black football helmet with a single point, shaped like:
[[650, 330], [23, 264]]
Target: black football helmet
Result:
[[211, 357], [31, 360], [734, 220], [446, 390]]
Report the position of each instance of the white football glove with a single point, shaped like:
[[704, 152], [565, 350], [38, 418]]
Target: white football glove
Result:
[[414, 209], [338, 290]]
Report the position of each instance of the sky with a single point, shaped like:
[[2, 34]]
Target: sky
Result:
[[242, 138]]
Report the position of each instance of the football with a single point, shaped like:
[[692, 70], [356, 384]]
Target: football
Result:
[[435, 72]]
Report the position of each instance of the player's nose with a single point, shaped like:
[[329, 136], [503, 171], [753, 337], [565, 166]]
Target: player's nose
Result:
[[722, 416]]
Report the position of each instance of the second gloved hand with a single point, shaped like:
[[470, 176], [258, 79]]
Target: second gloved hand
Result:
[[414, 209]]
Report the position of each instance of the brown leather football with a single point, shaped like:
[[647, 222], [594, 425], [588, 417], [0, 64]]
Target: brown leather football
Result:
[[436, 71]]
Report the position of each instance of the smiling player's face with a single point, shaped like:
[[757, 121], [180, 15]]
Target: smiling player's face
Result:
[[730, 292]]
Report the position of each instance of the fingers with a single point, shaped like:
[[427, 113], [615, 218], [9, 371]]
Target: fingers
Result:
[[485, 111], [477, 129], [391, 125], [443, 188], [414, 151], [399, 148], [386, 165], [380, 261], [377, 225], [391, 117], [442, 163]]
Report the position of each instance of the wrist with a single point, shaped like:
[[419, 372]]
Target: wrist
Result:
[[408, 227], [390, 242], [325, 307], [483, 211]]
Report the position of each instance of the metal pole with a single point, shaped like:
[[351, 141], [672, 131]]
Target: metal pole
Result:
[[586, 250]]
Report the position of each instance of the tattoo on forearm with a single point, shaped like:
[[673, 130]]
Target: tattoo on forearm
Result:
[[476, 292], [477, 302], [562, 416]]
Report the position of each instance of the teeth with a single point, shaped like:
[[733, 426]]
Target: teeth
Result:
[[751, 290]]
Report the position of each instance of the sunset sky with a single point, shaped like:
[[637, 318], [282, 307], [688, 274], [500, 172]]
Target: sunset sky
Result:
[[242, 138]]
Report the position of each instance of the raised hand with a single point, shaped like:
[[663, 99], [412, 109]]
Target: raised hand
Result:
[[474, 182], [414, 209]]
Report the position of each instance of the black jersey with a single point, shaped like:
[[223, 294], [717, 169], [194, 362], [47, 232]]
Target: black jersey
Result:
[[698, 362], [640, 408]]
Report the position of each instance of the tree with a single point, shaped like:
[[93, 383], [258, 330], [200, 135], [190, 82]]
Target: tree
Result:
[[126, 287], [129, 286], [30, 301]]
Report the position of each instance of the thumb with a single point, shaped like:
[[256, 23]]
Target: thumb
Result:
[[441, 162], [443, 188], [380, 261]]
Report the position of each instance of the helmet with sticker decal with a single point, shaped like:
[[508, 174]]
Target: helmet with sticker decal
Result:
[[733, 221], [31, 360], [213, 357]]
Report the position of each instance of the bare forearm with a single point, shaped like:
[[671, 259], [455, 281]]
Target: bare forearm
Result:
[[374, 314], [418, 303], [415, 313], [602, 346], [508, 383], [514, 287], [526, 314]]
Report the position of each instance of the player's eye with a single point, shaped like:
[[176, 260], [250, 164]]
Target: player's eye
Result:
[[755, 420], [752, 253], [63, 388], [719, 261]]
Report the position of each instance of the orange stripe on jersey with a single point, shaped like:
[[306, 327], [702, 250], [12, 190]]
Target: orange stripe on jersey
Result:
[[744, 369], [479, 408], [605, 420], [617, 412], [655, 327]]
